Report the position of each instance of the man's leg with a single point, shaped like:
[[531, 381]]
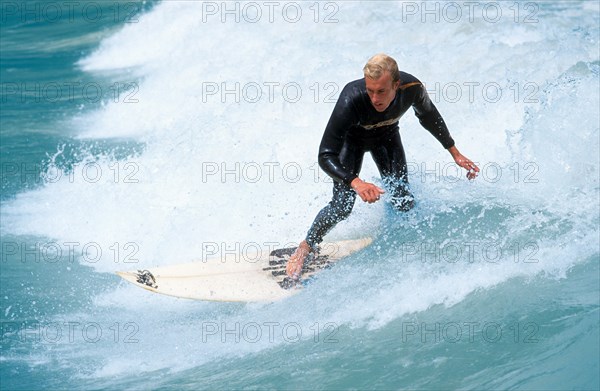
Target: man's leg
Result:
[[391, 161], [338, 209]]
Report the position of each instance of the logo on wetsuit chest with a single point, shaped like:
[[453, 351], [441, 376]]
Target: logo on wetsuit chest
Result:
[[382, 123]]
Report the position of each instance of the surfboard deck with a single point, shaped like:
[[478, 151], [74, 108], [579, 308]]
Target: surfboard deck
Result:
[[258, 277]]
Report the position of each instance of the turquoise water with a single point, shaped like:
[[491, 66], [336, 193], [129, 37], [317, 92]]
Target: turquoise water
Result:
[[138, 134]]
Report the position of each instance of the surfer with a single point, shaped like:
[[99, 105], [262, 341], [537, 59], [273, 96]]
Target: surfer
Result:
[[365, 119]]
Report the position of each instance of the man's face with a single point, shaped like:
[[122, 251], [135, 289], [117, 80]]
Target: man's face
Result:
[[381, 91]]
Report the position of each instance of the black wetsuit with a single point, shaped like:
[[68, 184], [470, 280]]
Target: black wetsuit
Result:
[[355, 127]]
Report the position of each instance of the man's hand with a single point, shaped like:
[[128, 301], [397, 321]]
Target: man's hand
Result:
[[368, 192], [464, 162]]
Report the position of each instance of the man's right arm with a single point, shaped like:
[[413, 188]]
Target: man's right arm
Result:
[[342, 119]]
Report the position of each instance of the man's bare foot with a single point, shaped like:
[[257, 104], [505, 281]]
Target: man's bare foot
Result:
[[296, 261]]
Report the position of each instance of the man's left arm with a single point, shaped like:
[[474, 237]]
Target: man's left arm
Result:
[[431, 119]]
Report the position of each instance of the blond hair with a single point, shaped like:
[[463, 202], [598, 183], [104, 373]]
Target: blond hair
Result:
[[380, 63]]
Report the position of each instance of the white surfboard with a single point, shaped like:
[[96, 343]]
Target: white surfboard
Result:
[[259, 277]]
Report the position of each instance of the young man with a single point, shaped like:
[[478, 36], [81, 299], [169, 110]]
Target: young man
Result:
[[365, 119]]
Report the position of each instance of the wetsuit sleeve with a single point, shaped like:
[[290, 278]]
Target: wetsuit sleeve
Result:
[[342, 119], [430, 118]]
